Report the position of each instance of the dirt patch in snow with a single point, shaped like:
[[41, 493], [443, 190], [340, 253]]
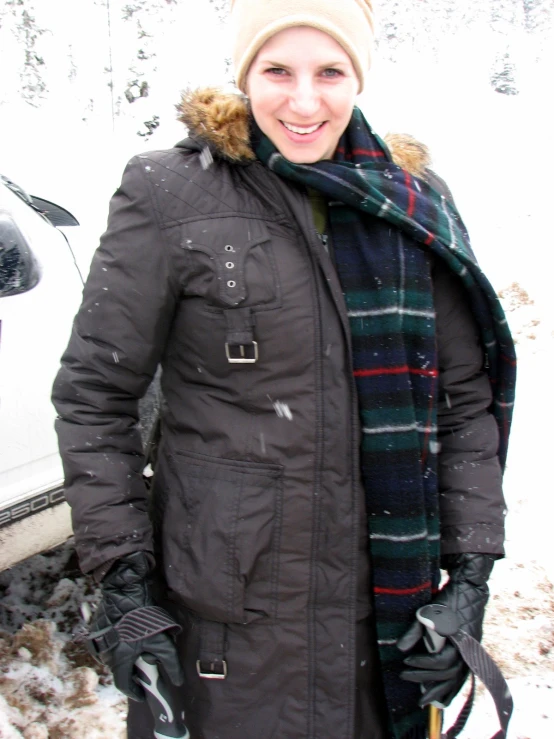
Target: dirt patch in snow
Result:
[[522, 313], [50, 687], [519, 630]]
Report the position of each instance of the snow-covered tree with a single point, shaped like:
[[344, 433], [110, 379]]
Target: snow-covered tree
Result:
[[503, 75], [18, 19], [111, 59], [221, 8]]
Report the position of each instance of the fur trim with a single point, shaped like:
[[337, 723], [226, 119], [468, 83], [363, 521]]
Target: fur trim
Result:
[[221, 120], [409, 153]]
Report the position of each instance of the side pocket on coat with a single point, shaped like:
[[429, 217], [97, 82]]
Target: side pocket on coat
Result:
[[221, 537]]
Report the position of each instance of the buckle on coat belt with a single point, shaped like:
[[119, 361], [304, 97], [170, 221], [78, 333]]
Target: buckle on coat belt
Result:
[[212, 670], [240, 346], [242, 353]]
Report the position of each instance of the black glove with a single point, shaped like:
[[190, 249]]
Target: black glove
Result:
[[443, 674], [128, 624]]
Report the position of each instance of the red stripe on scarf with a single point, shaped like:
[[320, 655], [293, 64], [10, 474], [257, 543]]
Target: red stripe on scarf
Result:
[[429, 240], [405, 591], [395, 371], [373, 153], [411, 195], [341, 150], [367, 153]]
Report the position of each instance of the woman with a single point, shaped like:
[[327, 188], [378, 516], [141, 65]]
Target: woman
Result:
[[328, 429]]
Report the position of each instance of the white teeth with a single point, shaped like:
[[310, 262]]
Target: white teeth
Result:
[[296, 129]]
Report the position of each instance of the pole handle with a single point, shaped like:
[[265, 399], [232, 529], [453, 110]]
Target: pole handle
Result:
[[167, 724]]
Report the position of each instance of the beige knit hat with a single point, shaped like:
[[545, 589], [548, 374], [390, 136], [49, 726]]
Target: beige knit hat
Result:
[[349, 22]]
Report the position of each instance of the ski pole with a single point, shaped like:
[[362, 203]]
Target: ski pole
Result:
[[433, 643], [435, 722], [167, 725], [441, 622]]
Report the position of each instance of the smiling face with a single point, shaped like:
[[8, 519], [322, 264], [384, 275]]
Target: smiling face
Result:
[[302, 87]]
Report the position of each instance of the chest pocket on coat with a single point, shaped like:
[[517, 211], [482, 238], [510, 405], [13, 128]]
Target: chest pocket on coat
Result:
[[231, 263]]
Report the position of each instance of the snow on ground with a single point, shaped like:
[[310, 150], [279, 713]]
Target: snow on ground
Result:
[[50, 688]]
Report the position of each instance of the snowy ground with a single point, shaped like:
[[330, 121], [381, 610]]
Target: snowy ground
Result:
[[50, 689], [49, 686]]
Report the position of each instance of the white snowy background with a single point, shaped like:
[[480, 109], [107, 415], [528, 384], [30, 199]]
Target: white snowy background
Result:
[[473, 80]]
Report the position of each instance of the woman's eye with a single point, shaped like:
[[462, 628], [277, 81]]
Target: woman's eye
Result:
[[278, 71], [332, 72]]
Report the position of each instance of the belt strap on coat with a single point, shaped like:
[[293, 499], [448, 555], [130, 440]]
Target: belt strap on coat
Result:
[[240, 346], [211, 663]]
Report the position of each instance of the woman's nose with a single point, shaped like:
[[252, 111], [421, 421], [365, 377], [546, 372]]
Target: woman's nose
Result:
[[304, 99]]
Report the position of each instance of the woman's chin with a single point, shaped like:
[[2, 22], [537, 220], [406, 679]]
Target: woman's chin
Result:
[[303, 155]]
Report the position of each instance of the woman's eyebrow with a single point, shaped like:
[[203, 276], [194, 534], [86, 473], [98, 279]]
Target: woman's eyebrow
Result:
[[271, 63], [323, 65]]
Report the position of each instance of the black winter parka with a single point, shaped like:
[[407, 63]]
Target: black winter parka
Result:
[[212, 269]]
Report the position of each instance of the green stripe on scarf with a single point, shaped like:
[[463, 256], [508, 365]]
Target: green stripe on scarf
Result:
[[386, 279]]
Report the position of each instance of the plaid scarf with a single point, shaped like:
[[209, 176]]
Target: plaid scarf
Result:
[[385, 274]]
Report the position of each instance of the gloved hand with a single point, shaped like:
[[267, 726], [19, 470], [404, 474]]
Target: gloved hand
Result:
[[443, 674], [128, 624]]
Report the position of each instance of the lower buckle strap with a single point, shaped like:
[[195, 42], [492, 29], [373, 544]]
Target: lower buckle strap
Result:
[[211, 663], [216, 670]]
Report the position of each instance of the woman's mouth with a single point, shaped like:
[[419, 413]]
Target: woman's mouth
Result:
[[302, 130], [303, 134]]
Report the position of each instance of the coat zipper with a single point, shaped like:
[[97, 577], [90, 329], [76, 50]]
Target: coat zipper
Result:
[[312, 239], [318, 461]]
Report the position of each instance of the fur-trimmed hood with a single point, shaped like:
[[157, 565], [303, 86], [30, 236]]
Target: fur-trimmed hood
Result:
[[222, 121]]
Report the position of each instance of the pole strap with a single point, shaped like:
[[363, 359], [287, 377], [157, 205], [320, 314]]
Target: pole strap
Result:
[[485, 668]]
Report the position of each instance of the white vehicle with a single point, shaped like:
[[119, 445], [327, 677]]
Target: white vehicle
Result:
[[40, 291]]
